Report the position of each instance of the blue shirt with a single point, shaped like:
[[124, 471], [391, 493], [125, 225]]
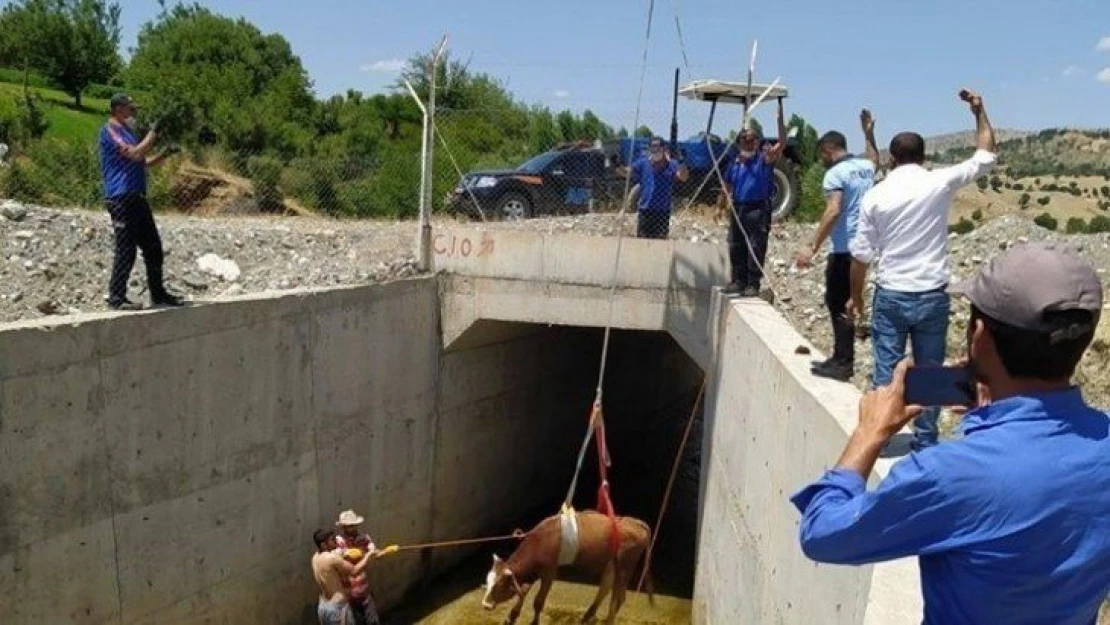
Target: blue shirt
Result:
[[121, 174], [852, 176], [751, 180], [1011, 524], [655, 184]]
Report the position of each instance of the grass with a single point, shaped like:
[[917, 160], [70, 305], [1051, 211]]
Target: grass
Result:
[[66, 120]]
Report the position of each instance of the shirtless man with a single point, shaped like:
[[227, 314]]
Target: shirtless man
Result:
[[331, 572]]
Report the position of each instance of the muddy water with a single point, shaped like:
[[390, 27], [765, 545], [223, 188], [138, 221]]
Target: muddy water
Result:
[[456, 599]]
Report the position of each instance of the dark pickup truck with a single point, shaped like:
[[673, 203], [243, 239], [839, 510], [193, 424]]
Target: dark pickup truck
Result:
[[583, 177]]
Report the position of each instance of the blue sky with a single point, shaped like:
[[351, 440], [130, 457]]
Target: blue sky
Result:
[[1037, 62]]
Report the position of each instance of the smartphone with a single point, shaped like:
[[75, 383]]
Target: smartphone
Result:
[[939, 386]]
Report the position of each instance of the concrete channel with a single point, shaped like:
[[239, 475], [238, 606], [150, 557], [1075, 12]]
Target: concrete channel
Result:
[[170, 467]]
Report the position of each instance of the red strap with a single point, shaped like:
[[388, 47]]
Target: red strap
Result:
[[604, 501]]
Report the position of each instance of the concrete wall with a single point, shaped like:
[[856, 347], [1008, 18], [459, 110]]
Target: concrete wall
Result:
[[567, 279], [771, 428], [170, 467]]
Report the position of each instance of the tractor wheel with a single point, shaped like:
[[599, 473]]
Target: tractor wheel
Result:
[[787, 191]]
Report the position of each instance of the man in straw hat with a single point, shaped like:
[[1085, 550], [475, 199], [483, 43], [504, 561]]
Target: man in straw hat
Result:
[[1009, 522], [354, 544]]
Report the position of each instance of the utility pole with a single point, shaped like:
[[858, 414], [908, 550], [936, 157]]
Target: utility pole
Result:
[[424, 257]]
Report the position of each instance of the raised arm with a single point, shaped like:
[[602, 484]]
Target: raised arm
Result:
[[871, 150], [985, 155], [776, 150], [984, 133], [136, 152]]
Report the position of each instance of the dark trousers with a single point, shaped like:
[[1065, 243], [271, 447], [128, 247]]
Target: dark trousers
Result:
[[653, 224], [838, 288], [747, 253], [134, 227], [365, 611]]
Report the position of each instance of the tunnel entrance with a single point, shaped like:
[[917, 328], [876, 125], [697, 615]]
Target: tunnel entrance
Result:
[[533, 386]]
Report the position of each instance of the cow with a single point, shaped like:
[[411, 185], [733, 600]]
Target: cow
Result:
[[586, 549]]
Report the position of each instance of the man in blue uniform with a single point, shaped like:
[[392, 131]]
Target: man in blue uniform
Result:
[[656, 174], [124, 160], [749, 182]]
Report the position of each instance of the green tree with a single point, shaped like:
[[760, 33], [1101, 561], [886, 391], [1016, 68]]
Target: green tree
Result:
[[72, 42], [643, 132], [213, 79], [807, 140]]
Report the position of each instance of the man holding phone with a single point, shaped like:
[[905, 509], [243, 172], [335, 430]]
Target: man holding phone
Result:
[[1010, 522]]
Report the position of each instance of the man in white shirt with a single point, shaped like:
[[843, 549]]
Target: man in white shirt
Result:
[[903, 226]]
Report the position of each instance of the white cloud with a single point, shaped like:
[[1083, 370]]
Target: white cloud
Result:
[[561, 93], [1103, 45], [1104, 76], [388, 66], [1073, 70]]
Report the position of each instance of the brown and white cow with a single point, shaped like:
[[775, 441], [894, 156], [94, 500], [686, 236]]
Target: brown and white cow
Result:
[[537, 558]]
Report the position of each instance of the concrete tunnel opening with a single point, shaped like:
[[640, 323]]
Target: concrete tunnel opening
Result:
[[539, 385]]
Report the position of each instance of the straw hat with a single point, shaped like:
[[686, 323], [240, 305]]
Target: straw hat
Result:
[[348, 518]]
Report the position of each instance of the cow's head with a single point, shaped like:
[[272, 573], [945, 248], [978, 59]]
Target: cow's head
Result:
[[501, 585]]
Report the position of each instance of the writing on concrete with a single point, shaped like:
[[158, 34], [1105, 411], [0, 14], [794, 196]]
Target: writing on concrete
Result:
[[452, 246]]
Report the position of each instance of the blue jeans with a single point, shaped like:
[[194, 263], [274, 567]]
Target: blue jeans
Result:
[[923, 319]]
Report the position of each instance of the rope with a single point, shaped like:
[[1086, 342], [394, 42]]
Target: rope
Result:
[[595, 413], [516, 535], [458, 170], [670, 483]]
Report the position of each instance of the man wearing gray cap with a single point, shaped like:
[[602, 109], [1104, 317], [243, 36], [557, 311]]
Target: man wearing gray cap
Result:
[[124, 160], [1011, 523]]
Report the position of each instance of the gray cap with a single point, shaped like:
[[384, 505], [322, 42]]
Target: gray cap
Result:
[[120, 99], [1018, 286]]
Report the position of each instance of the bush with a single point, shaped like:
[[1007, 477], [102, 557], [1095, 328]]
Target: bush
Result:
[[1075, 225], [1023, 201], [812, 204], [963, 226], [22, 119], [977, 215], [57, 172], [1018, 186], [1099, 223], [1044, 200], [15, 77], [265, 176], [982, 183], [1046, 221]]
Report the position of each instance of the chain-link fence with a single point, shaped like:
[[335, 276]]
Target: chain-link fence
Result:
[[489, 165]]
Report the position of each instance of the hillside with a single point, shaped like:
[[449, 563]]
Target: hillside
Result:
[[1054, 151]]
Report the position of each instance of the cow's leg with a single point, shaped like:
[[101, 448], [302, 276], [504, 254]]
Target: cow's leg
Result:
[[514, 614], [617, 599], [603, 588], [541, 597]]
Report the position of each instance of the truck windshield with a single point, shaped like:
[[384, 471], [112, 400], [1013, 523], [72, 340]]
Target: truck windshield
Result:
[[536, 164]]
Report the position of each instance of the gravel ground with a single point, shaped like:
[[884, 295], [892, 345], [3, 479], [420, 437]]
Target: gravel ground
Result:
[[57, 261]]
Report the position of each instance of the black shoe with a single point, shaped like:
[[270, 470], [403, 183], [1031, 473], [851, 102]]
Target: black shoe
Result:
[[734, 288], [166, 299], [123, 304], [833, 369], [750, 291]]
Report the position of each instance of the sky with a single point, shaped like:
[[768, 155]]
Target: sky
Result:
[[1037, 63]]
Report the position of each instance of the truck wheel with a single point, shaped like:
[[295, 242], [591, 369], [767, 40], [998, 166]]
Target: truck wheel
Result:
[[786, 192], [513, 207]]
